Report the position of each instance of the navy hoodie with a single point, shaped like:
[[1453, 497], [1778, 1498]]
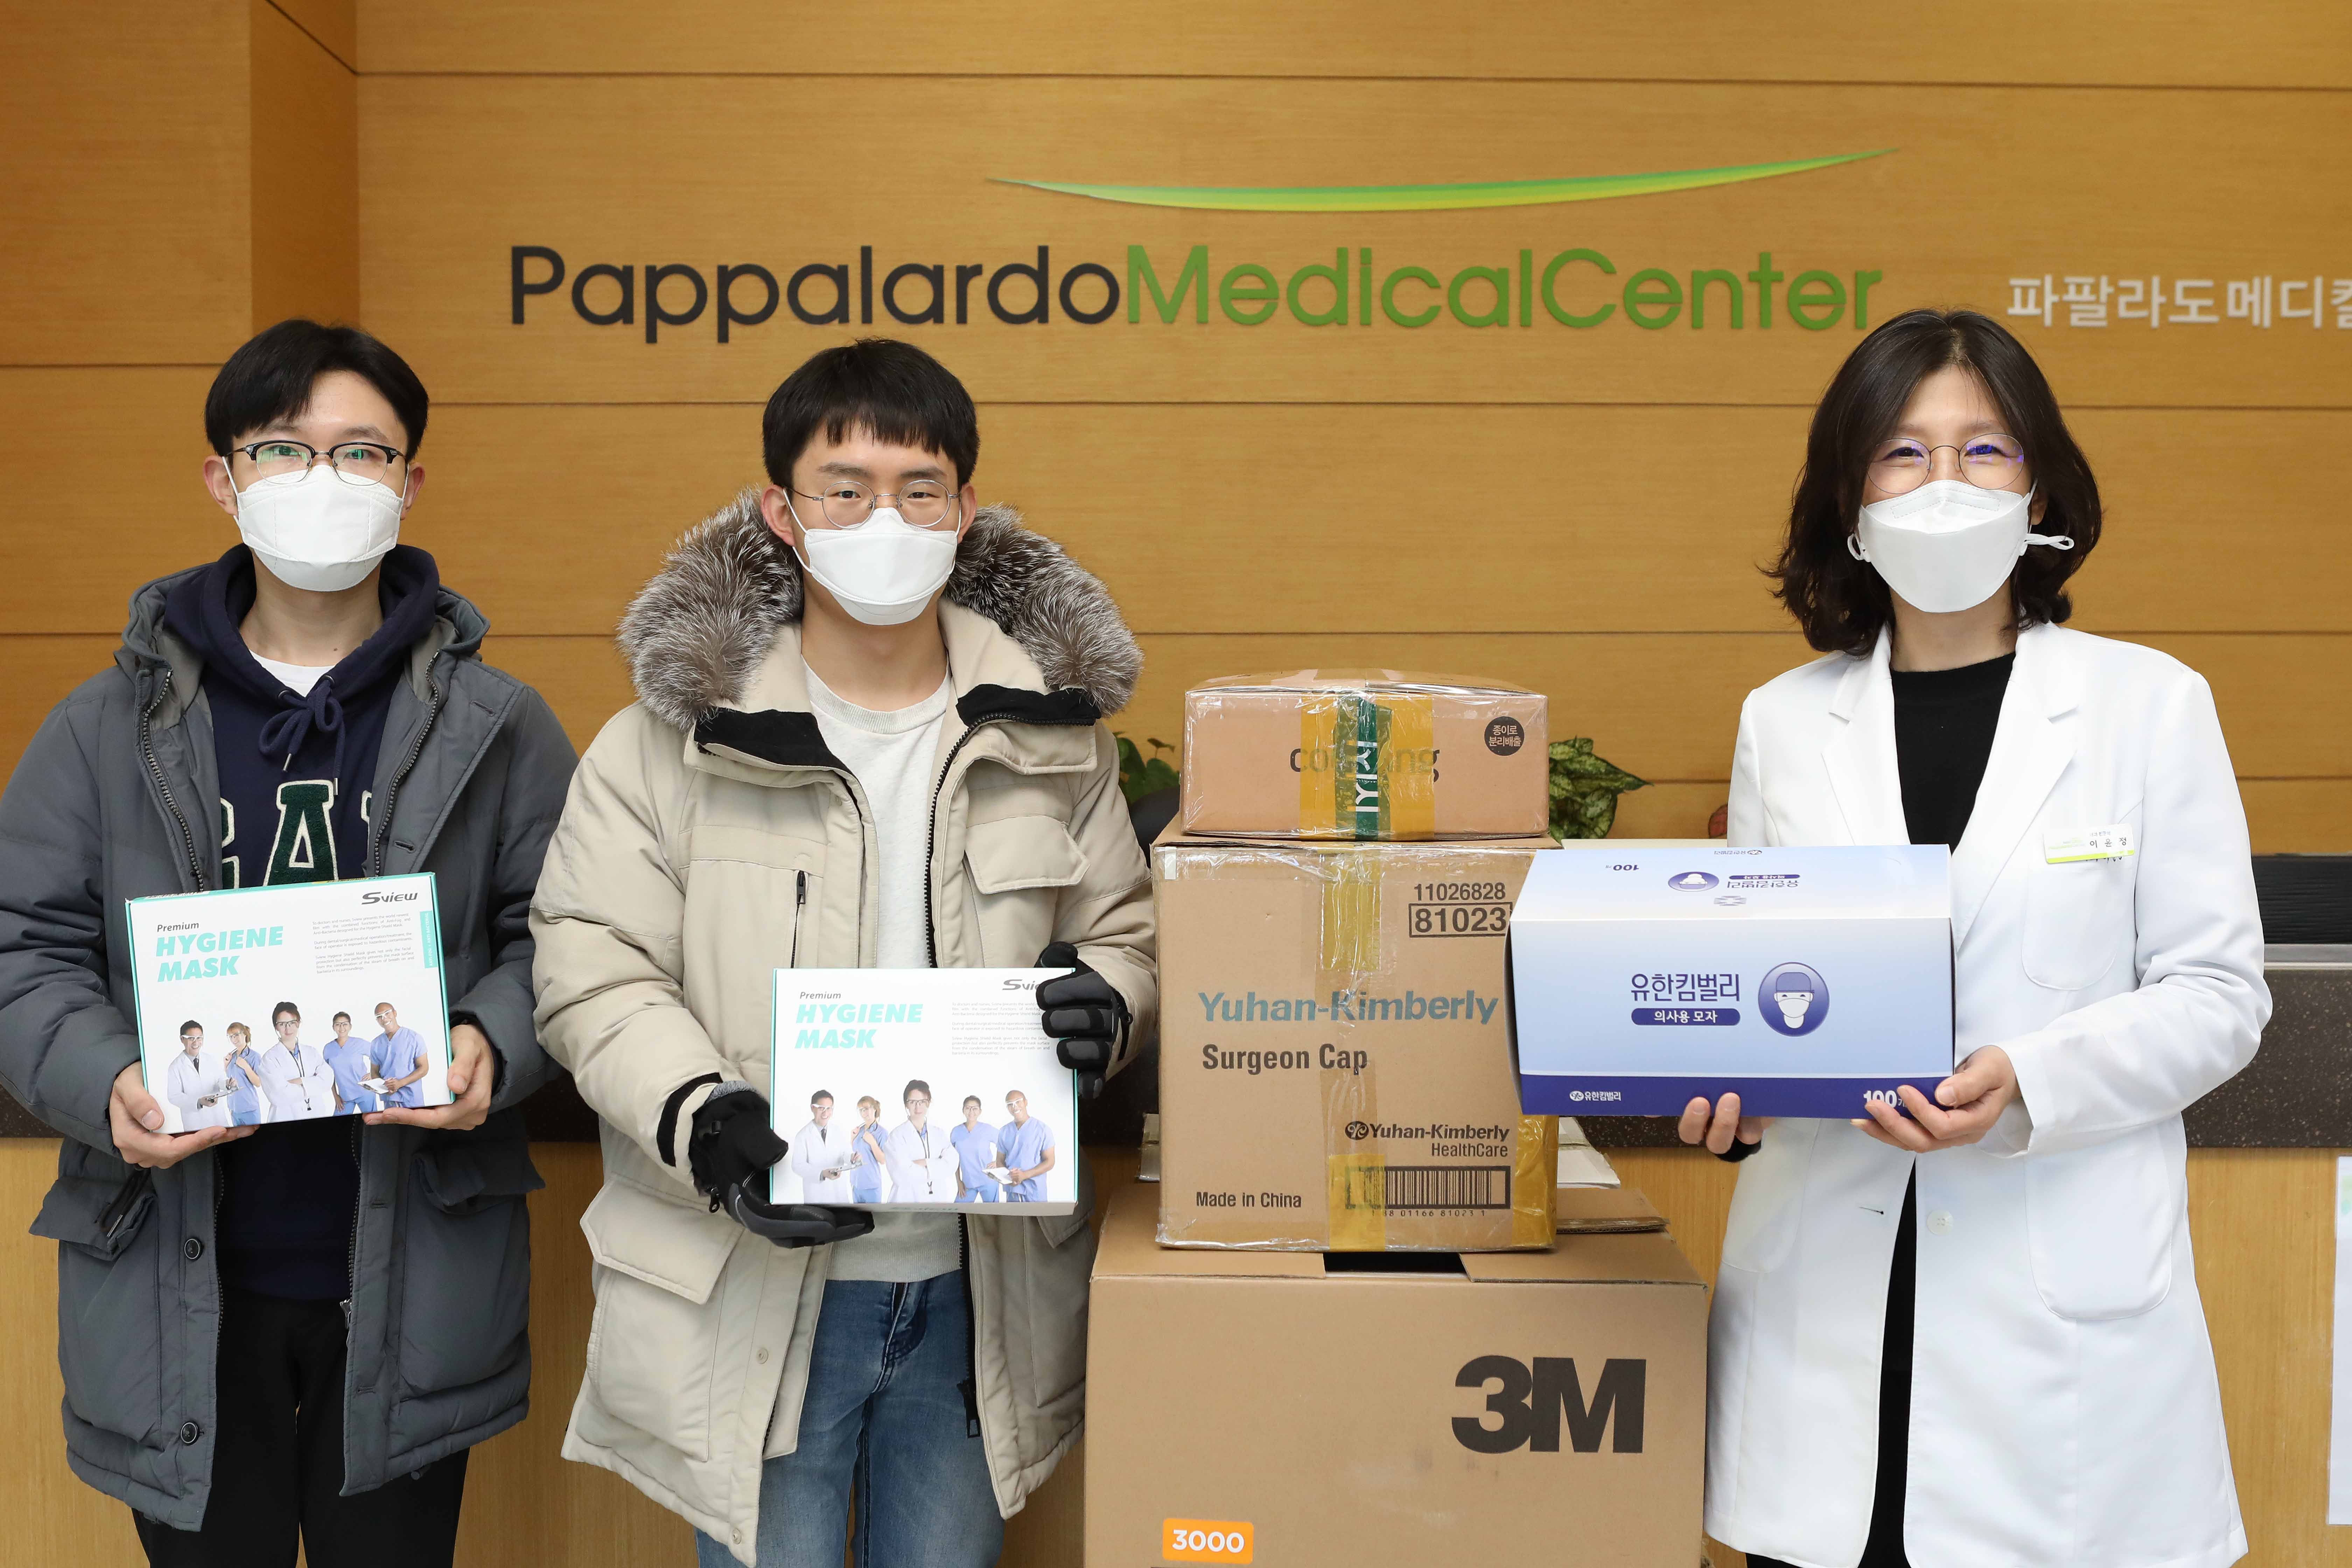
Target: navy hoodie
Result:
[[295, 774]]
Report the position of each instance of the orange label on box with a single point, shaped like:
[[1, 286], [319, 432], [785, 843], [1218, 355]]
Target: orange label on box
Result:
[[1207, 1541]]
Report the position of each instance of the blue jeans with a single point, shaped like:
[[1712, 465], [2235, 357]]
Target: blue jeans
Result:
[[884, 1418]]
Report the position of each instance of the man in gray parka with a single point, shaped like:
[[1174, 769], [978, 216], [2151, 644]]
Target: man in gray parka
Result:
[[298, 1327]]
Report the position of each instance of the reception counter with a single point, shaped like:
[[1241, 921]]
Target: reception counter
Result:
[[2261, 1192]]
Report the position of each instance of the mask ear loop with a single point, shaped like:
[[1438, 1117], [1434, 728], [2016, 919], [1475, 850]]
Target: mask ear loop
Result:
[[2055, 541], [1853, 547]]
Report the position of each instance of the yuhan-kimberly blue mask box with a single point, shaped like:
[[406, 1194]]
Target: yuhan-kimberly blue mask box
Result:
[[1808, 980]]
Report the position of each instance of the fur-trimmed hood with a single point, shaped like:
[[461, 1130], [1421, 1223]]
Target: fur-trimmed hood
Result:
[[697, 631]]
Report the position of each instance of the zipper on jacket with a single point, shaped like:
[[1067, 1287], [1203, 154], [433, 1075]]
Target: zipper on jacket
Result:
[[931, 848], [351, 1256], [382, 825], [970, 1386], [800, 905], [162, 785]]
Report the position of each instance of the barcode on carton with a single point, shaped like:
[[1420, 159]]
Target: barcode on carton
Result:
[[1395, 1187]]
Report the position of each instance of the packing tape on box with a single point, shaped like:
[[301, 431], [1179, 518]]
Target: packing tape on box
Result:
[[1359, 1184], [1367, 769], [1363, 1187]]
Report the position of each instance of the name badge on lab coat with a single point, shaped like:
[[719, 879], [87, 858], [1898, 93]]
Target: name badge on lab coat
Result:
[[2087, 844]]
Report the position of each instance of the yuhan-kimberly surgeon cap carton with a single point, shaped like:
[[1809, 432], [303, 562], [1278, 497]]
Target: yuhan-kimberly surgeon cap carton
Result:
[[1810, 981]]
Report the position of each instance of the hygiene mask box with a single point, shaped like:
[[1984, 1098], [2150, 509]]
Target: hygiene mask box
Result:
[[291, 1002], [1337, 753], [1335, 1072], [1809, 981], [922, 1088]]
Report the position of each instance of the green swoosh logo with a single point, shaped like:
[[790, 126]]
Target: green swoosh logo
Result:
[[1436, 199]]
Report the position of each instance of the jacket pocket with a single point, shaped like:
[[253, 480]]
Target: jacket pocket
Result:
[[2078, 919], [2100, 1223], [465, 1310], [734, 868], [1041, 1320], [96, 1216], [652, 1347], [110, 1332], [1015, 853], [1768, 1203]]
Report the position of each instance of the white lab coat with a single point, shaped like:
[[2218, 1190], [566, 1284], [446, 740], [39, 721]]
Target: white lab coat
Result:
[[932, 1182], [188, 1082], [817, 1150], [2065, 1408], [297, 1092]]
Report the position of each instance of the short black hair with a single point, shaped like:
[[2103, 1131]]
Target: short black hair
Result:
[[894, 390], [271, 376], [341, 1018], [912, 1085], [281, 1010], [191, 1023], [1842, 603], [820, 1094]]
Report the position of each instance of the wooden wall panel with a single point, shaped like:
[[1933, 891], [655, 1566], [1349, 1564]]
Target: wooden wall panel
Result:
[[1664, 706], [123, 184], [334, 24], [631, 171], [2303, 43], [1624, 519], [2299, 817], [304, 191], [1349, 519], [83, 532]]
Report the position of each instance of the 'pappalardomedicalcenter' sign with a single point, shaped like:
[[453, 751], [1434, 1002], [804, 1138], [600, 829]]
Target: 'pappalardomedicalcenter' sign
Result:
[[1573, 285]]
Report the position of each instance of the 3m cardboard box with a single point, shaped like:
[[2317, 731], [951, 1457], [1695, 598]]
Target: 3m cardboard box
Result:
[[1301, 1411], [1804, 979], [1335, 1065], [1337, 753]]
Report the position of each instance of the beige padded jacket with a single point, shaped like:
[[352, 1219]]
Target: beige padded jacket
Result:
[[709, 839]]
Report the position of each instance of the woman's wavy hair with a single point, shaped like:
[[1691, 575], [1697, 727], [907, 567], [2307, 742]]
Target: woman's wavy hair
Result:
[[1842, 603]]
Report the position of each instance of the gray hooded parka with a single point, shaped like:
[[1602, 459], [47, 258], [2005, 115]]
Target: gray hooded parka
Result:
[[114, 799]]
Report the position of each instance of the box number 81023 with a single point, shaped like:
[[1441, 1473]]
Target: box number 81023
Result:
[[1457, 920]]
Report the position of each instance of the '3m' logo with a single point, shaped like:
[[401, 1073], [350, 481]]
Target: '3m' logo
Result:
[[1527, 1403]]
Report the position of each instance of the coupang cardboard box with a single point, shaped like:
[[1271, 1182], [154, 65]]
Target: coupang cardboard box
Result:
[[1334, 1061], [1378, 754], [1808, 980], [1449, 1407]]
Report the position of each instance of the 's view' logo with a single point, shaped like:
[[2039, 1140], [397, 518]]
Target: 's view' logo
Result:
[[1527, 1403]]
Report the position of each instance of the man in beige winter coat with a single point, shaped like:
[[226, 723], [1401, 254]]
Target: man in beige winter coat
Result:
[[868, 733]]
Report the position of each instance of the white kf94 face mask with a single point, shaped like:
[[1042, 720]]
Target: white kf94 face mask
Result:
[[884, 572], [1948, 545], [316, 531]]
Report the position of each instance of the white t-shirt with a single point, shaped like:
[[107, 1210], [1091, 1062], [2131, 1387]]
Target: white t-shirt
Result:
[[299, 678], [896, 758]]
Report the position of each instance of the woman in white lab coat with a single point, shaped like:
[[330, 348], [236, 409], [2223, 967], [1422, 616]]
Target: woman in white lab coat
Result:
[[2014, 1250]]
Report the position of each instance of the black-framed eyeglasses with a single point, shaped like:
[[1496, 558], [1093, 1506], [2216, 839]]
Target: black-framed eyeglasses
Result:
[[924, 504], [361, 462]]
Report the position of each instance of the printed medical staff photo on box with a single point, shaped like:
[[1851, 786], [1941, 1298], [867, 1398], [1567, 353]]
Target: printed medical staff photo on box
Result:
[[909, 1089], [287, 1003]]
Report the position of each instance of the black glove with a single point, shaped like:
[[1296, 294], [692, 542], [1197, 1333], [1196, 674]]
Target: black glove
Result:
[[731, 1145], [731, 1152], [1085, 1013]]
